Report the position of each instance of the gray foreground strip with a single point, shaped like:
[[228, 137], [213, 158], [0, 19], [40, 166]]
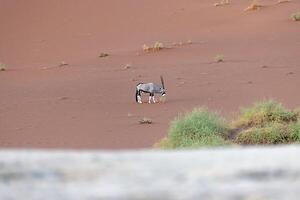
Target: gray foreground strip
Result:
[[258, 173]]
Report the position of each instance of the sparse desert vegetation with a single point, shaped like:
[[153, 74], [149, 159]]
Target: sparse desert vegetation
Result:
[[156, 47], [162, 99], [253, 6], [62, 64], [102, 55], [2, 67], [189, 42], [219, 58], [222, 3], [145, 120], [283, 1], [296, 16], [266, 122]]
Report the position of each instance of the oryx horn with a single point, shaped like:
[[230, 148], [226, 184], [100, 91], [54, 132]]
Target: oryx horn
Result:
[[162, 82]]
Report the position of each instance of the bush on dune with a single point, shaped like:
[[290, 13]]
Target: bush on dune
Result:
[[264, 123], [295, 131], [264, 112], [198, 128], [274, 133]]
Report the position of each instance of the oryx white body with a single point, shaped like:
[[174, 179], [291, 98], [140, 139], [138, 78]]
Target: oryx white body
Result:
[[150, 88]]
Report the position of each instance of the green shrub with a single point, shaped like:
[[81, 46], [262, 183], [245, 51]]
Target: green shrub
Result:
[[210, 141], [275, 133], [295, 131], [198, 128], [266, 122], [297, 112], [264, 112]]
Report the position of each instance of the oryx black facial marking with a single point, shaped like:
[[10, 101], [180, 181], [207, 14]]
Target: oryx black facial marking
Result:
[[151, 89]]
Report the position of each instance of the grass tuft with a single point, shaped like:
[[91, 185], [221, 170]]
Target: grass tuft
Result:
[[253, 6], [63, 63], [296, 16], [219, 58], [283, 1], [222, 3], [164, 144], [102, 55], [2, 67], [156, 47], [145, 120]]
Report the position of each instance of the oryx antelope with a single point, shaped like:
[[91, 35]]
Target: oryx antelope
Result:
[[150, 88]]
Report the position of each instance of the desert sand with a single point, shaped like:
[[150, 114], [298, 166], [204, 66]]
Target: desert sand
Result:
[[58, 93]]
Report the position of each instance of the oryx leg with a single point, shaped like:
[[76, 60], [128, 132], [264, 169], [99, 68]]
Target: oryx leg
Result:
[[139, 97], [151, 97]]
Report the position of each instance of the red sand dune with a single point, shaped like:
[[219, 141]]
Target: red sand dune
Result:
[[89, 103]]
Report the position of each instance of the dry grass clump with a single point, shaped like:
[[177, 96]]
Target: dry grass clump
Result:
[[102, 55], [296, 16], [156, 47], [145, 120], [181, 43], [283, 1], [219, 58], [2, 67], [63, 63], [146, 48], [164, 144], [222, 3], [253, 6], [162, 99]]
